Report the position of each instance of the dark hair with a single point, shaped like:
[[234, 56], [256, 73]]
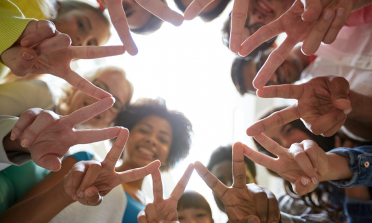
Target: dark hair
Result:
[[192, 199], [226, 38], [223, 153], [181, 126], [237, 75], [65, 6], [152, 25], [209, 16]]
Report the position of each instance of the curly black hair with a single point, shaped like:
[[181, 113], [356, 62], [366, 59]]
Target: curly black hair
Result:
[[237, 75], [223, 153], [209, 16], [181, 126]]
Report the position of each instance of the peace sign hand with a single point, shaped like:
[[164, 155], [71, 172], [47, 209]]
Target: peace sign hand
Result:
[[238, 199], [304, 164], [89, 179], [322, 104], [49, 136], [119, 19], [164, 210]]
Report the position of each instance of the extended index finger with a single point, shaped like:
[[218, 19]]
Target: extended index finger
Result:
[[238, 17], [116, 150], [119, 20], [88, 112], [217, 187], [182, 183], [93, 52], [195, 8], [238, 165], [276, 119], [157, 186], [162, 11]]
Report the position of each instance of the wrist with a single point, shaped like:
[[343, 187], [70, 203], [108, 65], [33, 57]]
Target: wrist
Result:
[[338, 168]]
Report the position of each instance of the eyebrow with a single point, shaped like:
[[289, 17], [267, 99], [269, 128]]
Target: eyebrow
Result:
[[161, 131]]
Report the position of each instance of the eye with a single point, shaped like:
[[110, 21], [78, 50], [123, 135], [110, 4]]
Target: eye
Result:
[[162, 140], [144, 131], [80, 25], [180, 217], [200, 215], [288, 129]]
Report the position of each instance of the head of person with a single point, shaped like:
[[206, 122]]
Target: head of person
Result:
[[220, 165], [140, 20], [226, 29], [111, 79], [156, 133], [86, 25], [212, 11], [245, 69], [192, 207]]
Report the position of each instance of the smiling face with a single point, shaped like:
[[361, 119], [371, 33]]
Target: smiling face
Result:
[[112, 82], [84, 27], [136, 15], [262, 12], [193, 215], [287, 73], [286, 135], [150, 139]]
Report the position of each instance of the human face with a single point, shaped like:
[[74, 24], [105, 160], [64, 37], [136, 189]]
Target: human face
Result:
[[223, 172], [150, 139], [262, 12], [136, 15], [193, 215], [287, 73], [115, 84], [207, 9], [84, 27], [286, 135]]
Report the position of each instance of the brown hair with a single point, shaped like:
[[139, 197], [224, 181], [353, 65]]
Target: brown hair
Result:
[[192, 199]]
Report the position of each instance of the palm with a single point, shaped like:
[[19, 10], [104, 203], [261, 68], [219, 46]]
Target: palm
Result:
[[166, 209], [238, 203], [106, 180]]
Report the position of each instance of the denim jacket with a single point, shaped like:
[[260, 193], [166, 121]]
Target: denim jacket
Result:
[[360, 165]]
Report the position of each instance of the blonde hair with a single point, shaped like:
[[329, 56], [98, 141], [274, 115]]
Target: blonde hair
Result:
[[69, 91]]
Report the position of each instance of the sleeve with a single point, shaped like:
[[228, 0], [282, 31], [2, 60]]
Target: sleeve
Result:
[[360, 160], [12, 24], [17, 97], [13, 158], [308, 218], [82, 156]]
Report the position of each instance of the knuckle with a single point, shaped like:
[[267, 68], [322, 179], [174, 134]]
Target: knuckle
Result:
[[238, 15], [90, 54]]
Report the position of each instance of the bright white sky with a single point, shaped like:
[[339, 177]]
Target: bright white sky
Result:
[[189, 67]]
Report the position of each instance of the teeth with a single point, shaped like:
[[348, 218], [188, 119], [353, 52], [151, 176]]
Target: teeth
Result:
[[263, 5], [146, 151]]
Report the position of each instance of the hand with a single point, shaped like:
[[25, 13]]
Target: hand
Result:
[[43, 37], [119, 19], [58, 64], [49, 136], [322, 104], [242, 202], [88, 179], [164, 210], [303, 165], [311, 32]]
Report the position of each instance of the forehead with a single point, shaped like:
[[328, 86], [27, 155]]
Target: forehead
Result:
[[116, 83], [157, 123]]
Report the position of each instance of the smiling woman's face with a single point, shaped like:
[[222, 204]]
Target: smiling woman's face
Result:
[[150, 139], [136, 15], [262, 12], [84, 27]]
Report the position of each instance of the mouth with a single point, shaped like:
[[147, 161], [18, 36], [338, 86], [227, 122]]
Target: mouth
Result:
[[146, 153], [263, 7]]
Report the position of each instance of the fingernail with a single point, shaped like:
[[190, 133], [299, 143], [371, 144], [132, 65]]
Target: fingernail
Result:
[[25, 142], [27, 56], [89, 193], [327, 15], [304, 181], [315, 169], [347, 111], [340, 11], [314, 180], [13, 136], [80, 194], [252, 220], [26, 42]]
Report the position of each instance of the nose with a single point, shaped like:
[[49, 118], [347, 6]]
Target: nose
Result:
[[151, 139]]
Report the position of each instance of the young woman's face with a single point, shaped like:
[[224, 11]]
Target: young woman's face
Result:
[[136, 15], [84, 27], [150, 139], [286, 135], [112, 82], [193, 215]]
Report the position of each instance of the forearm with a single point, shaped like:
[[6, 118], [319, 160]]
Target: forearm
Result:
[[338, 168], [41, 208]]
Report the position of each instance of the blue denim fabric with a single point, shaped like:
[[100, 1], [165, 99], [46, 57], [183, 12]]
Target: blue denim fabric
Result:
[[360, 158], [358, 211]]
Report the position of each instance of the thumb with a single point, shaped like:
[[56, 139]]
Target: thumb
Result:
[[302, 185], [312, 10], [50, 162], [339, 89]]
